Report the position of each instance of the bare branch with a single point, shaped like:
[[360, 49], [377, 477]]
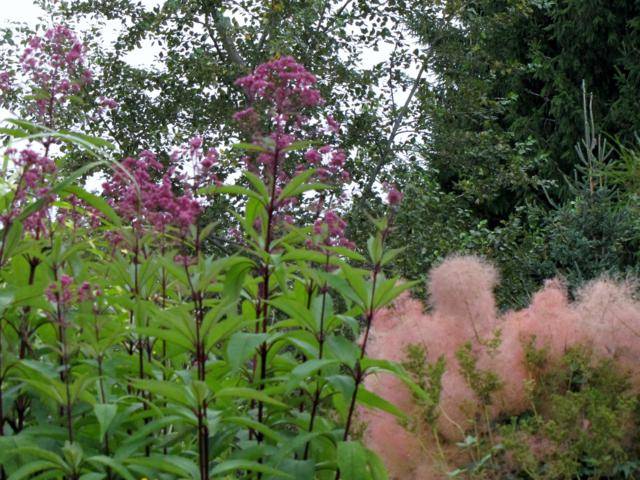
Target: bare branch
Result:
[[394, 131]]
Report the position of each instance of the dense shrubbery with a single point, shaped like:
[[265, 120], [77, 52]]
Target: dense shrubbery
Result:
[[209, 314]]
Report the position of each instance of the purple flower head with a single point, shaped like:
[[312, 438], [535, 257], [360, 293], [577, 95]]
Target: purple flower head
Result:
[[5, 82], [329, 231], [60, 292], [284, 97], [55, 64], [108, 103], [34, 172], [394, 196], [210, 159], [312, 156], [282, 83], [195, 143], [334, 126], [144, 201]]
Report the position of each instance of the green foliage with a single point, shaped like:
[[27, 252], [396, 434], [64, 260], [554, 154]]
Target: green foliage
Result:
[[583, 423], [428, 376], [217, 367], [503, 110], [484, 383]]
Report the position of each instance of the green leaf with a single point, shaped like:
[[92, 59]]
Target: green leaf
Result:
[[234, 278], [376, 466], [300, 145], [347, 252], [247, 422], [179, 466], [306, 369], [372, 365], [221, 330], [29, 469], [372, 400], [229, 466], [171, 336], [352, 461], [93, 476], [96, 202], [105, 413], [298, 254], [250, 147], [25, 125], [389, 291], [6, 299], [52, 390], [12, 240], [295, 310], [13, 132], [358, 284], [170, 391], [88, 139], [250, 393], [243, 346], [295, 185], [344, 350], [257, 184], [374, 247], [298, 469], [45, 455], [238, 190], [389, 255], [113, 465]]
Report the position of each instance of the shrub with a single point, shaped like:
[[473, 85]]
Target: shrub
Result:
[[528, 393]]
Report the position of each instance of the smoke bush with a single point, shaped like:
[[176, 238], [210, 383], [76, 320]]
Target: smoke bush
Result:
[[487, 352]]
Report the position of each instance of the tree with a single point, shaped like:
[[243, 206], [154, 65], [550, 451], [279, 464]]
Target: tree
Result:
[[503, 110], [204, 45], [504, 107]]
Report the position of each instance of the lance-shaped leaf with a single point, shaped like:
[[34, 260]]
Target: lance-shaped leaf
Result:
[[352, 461], [105, 413], [229, 466]]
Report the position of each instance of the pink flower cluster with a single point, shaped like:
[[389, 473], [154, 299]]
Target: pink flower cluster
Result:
[[284, 84], [281, 92], [62, 293], [329, 164], [201, 162], [107, 103], [55, 65], [140, 199], [79, 213], [394, 196], [329, 231], [5, 82], [33, 171]]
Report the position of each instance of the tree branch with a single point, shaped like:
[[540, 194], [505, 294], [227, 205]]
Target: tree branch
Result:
[[394, 131], [222, 32]]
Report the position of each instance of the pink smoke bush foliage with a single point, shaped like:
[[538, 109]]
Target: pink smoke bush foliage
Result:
[[605, 317]]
